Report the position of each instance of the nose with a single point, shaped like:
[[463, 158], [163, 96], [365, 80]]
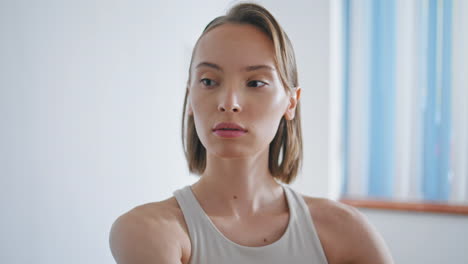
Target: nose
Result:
[[233, 108], [229, 103]]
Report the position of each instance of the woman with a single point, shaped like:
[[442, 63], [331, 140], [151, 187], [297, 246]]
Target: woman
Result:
[[243, 137]]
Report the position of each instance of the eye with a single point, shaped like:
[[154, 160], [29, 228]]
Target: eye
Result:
[[208, 81], [256, 82]]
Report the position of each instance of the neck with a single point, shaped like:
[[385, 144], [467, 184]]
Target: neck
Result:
[[239, 187]]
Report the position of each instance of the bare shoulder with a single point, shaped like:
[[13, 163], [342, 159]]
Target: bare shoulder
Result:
[[346, 234], [150, 233]]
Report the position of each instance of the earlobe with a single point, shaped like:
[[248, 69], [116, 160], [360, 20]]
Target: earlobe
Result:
[[189, 109], [189, 105], [289, 115], [290, 112]]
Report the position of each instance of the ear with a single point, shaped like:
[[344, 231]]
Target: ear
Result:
[[189, 104], [293, 100], [189, 109]]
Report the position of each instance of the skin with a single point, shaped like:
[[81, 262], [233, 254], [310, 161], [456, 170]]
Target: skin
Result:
[[236, 190], [256, 99]]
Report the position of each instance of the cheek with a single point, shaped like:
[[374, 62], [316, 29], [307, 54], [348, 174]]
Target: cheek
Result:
[[267, 116], [271, 107], [199, 103], [203, 111]]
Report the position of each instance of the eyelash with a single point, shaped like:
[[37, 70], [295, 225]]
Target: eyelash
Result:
[[264, 83]]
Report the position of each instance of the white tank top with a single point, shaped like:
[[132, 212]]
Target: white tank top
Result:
[[298, 244]]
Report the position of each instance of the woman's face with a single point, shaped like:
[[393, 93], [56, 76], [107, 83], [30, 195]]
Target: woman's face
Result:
[[222, 89]]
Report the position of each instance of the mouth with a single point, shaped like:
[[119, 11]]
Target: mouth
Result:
[[229, 127], [229, 133]]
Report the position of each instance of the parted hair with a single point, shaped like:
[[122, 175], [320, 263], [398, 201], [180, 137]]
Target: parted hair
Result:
[[285, 150]]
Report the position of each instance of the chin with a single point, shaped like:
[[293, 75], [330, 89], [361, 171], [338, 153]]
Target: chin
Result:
[[229, 153]]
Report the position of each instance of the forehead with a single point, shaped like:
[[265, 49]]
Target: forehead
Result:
[[235, 47]]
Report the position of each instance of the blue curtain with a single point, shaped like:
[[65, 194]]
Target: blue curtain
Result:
[[432, 21]]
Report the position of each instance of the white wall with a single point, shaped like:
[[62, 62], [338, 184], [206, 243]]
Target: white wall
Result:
[[415, 237], [91, 97]]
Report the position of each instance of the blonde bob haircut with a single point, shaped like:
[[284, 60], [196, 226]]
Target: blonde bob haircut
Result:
[[285, 150]]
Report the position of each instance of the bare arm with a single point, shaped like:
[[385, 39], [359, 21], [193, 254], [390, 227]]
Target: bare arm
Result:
[[135, 239], [367, 245]]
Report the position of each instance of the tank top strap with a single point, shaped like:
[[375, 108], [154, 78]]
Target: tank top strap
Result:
[[193, 213], [306, 223]]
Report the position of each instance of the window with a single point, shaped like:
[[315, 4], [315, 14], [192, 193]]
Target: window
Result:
[[402, 103]]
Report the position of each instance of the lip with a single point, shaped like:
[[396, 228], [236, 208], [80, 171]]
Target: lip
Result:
[[229, 133], [219, 131], [229, 125]]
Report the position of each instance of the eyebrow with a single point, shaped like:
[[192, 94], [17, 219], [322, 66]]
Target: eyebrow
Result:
[[247, 69]]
